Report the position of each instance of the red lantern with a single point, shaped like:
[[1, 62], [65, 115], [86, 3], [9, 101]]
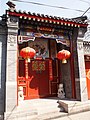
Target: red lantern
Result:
[[63, 55], [27, 53]]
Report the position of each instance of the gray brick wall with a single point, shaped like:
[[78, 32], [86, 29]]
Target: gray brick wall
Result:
[[66, 79], [2, 65]]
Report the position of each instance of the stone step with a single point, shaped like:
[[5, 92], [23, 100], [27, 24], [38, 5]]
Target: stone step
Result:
[[23, 115], [74, 106], [48, 109], [37, 103], [31, 109], [51, 116]]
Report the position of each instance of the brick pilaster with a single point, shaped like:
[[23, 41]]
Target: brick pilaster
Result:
[[81, 80], [11, 68]]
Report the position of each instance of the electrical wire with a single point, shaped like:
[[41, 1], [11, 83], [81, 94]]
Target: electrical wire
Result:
[[40, 4], [86, 11], [85, 1]]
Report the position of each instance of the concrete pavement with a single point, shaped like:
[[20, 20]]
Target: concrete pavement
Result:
[[78, 116], [50, 109]]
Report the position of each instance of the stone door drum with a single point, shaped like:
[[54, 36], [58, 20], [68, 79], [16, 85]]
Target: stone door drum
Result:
[[87, 67]]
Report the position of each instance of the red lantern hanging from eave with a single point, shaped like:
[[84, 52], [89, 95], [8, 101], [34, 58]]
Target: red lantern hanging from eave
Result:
[[63, 55], [27, 53]]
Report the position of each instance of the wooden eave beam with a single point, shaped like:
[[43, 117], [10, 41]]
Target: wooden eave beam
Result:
[[50, 20]]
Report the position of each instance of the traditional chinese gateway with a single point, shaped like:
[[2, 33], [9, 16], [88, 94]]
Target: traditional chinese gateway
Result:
[[52, 38]]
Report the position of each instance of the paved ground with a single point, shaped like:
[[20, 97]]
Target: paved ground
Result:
[[49, 109], [79, 116]]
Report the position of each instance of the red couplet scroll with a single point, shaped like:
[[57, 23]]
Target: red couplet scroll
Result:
[[50, 70]]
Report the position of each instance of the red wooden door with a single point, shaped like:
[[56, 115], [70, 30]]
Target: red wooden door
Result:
[[39, 83], [38, 86], [87, 66]]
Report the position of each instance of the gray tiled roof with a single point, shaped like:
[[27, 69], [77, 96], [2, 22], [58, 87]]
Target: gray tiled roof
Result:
[[46, 18]]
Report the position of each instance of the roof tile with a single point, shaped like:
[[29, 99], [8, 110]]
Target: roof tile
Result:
[[52, 18]]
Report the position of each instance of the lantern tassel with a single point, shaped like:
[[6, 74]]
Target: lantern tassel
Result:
[[64, 61], [29, 60]]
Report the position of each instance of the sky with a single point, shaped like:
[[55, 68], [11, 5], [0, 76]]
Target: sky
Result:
[[73, 5]]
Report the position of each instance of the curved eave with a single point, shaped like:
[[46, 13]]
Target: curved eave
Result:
[[86, 42], [47, 19]]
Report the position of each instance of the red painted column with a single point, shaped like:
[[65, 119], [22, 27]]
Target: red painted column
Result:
[[72, 70]]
